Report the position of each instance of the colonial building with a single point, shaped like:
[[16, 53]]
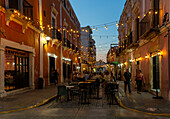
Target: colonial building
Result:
[[144, 43], [37, 37], [19, 45], [62, 27], [88, 49], [111, 55]]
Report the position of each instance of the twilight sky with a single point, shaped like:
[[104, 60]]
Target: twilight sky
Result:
[[97, 12]]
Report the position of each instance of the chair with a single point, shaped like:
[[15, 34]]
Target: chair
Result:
[[110, 91], [84, 93], [61, 92]]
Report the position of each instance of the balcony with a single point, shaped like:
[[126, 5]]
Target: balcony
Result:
[[73, 47], [130, 40], [68, 44], [27, 9], [56, 34], [77, 50], [65, 42], [21, 13], [149, 27], [131, 44]]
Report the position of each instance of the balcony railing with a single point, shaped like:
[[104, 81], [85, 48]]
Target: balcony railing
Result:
[[149, 24], [56, 34], [73, 47], [68, 44], [130, 40], [65, 42], [145, 24], [3, 3], [27, 9]]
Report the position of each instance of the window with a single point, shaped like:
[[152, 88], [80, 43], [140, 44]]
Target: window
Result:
[[65, 5], [27, 9], [156, 11], [3, 3], [70, 13], [13, 4], [44, 13], [53, 25], [137, 28]]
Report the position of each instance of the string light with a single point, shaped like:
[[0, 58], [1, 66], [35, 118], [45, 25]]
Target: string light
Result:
[[156, 12], [117, 24]]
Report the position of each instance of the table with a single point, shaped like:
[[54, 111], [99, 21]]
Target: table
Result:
[[84, 90]]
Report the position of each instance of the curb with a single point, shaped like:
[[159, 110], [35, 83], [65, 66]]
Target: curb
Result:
[[30, 107], [135, 110]]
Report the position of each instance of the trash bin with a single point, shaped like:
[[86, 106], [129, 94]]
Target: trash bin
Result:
[[40, 83]]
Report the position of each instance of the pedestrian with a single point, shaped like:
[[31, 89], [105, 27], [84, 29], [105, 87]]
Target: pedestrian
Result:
[[86, 75], [119, 76], [127, 81], [56, 74], [139, 79]]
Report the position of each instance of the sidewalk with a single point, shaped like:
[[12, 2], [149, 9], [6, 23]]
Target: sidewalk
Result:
[[27, 99], [143, 102]]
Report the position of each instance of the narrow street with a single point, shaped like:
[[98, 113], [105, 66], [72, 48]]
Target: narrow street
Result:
[[97, 109]]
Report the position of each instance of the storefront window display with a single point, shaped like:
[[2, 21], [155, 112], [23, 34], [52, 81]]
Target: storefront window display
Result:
[[16, 69]]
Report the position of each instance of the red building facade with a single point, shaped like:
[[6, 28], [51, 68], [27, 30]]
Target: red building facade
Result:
[[144, 43], [19, 42], [36, 37]]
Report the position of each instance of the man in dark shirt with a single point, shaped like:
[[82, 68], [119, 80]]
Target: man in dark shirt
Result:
[[127, 76]]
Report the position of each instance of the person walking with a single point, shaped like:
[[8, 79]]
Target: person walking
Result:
[[139, 79], [127, 77], [56, 74]]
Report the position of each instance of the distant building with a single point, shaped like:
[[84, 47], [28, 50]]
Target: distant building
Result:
[[111, 55], [88, 49]]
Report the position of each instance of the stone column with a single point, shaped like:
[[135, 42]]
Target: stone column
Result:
[[62, 78], [41, 55], [31, 70], [2, 69]]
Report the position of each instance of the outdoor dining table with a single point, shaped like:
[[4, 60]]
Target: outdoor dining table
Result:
[[84, 90]]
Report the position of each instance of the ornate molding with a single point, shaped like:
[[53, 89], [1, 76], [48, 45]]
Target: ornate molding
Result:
[[9, 16]]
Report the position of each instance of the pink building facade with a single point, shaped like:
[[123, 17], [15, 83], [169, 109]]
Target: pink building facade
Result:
[[144, 43]]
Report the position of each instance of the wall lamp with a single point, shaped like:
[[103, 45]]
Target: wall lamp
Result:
[[47, 39]]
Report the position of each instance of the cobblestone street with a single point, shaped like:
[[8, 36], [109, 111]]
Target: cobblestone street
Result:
[[97, 109]]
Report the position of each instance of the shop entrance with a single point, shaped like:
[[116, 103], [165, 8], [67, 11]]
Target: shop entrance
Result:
[[16, 69], [21, 72], [51, 68], [156, 81]]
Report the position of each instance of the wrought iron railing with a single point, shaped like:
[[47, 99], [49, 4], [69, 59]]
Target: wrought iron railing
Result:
[[27, 9], [145, 24], [130, 39], [55, 34]]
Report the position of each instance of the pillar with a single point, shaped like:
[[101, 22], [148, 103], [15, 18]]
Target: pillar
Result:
[[2, 68], [31, 70]]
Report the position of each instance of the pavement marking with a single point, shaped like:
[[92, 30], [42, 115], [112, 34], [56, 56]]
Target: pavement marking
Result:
[[30, 107], [131, 109], [128, 95]]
